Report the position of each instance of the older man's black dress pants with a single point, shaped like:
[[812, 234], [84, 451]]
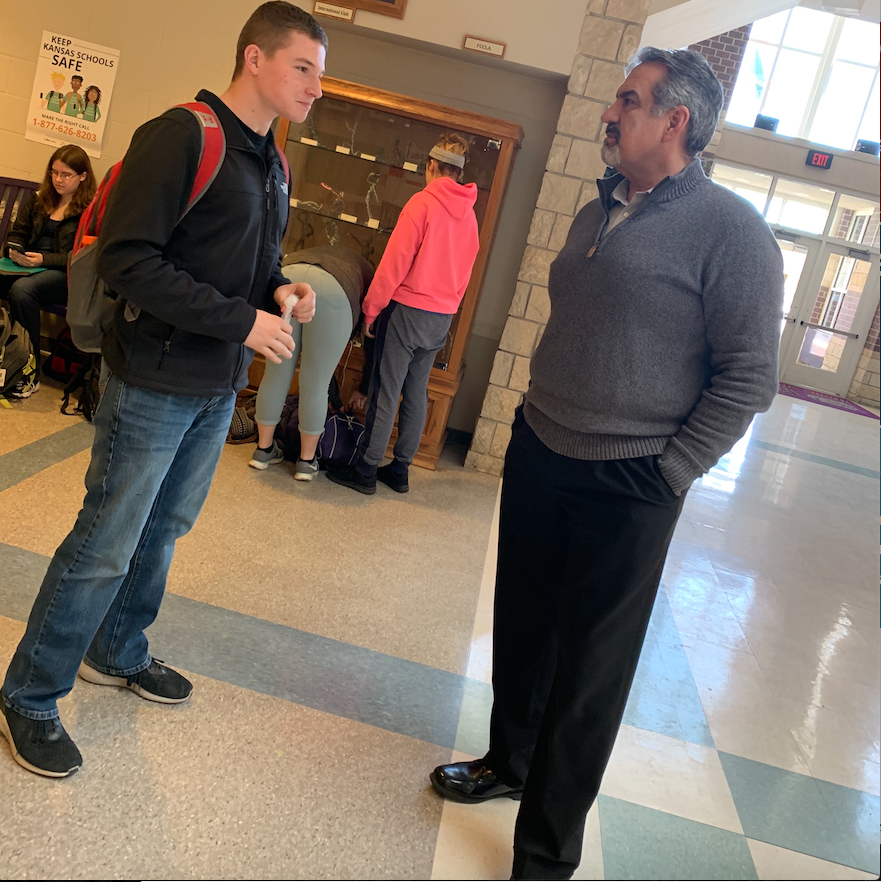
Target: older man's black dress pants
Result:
[[581, 549]]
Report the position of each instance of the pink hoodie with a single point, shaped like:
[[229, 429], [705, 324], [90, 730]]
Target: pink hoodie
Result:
[[428, 260]]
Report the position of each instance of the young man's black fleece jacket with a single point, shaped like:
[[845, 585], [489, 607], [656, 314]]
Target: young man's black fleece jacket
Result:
[[188, 292]]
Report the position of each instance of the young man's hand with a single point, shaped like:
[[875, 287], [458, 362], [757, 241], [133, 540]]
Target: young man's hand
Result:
[[271, 337], [304, 308]]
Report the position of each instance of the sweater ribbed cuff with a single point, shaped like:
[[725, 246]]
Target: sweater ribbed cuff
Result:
[[678, 469]]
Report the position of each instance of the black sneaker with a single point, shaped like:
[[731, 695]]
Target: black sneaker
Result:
[[350, 477], [399, 483], [40, 746], [156, 683]]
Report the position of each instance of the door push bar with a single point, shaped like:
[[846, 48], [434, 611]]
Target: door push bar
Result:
[[830, 330]]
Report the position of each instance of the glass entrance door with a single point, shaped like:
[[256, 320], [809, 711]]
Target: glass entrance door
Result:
[[827, 322], [798, 262]]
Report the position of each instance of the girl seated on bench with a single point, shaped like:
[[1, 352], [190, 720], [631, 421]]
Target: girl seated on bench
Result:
[[41, 239]]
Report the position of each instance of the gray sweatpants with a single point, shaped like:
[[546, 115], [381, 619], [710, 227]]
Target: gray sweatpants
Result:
[[407, 341]]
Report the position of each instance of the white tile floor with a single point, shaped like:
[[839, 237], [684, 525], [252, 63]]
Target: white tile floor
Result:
[[773, 588]]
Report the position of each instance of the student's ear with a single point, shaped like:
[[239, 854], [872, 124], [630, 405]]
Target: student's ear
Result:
[[252, 57]]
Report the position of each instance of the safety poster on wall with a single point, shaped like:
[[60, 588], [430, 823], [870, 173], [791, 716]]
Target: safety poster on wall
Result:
[[71, 94]]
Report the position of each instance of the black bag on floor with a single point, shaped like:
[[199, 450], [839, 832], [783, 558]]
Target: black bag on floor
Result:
[[64, 360], [86, 381]]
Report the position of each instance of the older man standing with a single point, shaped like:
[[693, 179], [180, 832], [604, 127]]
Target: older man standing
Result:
[[660, 348]]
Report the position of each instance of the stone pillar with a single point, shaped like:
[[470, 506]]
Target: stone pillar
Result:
[[610, 35]]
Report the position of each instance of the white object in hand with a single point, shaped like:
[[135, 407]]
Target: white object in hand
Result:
[[289, 304]]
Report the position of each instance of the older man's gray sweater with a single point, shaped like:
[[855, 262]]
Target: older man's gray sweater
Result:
[[663, 334]]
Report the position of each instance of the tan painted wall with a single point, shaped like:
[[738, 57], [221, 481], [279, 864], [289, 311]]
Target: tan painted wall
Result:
[[171, 48]]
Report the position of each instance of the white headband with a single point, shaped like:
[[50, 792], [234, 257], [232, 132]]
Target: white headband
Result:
[[447, 156]]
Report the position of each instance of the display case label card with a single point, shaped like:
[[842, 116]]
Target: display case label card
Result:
[[349, 218], [331, 10], [411, 166], [344, 150], [369, 157], [310, 141], [373, 223], [486, 47], [294, 203]]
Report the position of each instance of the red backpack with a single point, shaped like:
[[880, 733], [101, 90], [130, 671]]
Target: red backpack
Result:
[[89, 307]]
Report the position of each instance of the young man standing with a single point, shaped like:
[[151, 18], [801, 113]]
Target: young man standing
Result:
[[196, 297]]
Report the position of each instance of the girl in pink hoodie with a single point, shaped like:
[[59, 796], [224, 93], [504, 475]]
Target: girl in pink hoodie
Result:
[[409, 308]]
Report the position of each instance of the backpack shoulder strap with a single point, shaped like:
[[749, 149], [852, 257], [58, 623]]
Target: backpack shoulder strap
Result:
[[90, 222], [212, 152]]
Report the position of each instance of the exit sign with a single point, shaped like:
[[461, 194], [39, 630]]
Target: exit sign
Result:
[[819, 160]]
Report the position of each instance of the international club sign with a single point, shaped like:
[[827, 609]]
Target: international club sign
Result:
[[71, 94]]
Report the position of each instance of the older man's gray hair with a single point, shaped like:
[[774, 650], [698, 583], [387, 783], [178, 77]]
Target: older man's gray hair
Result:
[[689, 81]]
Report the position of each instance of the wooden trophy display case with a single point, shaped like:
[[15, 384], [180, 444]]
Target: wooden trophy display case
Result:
[[355, 161]]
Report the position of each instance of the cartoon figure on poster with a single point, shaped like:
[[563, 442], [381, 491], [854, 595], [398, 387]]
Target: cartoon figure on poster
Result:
[[91, 113], [73, 101], [53, 99], [74, 110]]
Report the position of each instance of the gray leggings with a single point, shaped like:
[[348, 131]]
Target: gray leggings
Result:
[[320, 343]]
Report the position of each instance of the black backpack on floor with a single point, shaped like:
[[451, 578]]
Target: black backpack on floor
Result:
[[85, 381]]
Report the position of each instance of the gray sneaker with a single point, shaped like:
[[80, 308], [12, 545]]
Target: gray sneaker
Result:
[[306, 470], [262, 459]]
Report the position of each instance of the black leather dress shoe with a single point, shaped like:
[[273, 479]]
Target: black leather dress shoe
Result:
[[471, 782]]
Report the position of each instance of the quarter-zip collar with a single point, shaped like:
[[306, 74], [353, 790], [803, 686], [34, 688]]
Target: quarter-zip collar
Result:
[[669, 188]]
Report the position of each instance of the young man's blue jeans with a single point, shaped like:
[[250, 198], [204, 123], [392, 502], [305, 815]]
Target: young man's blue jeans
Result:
[[153, 460]]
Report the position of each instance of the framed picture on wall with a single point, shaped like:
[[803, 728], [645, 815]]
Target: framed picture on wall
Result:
[[394, 8]]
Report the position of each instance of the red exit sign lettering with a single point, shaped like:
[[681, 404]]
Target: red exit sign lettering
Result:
[[819, 160]]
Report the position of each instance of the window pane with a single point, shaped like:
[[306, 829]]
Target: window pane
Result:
[[869, 129], [800, 206], [753, 186], [770, 29], [838, 114], [751, 85], [856, 220], [808, 30], [794, 257], [858, 42], [789, 92]]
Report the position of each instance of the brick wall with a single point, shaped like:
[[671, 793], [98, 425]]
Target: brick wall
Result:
[[725, 54], [873, 341], [866, 385]]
